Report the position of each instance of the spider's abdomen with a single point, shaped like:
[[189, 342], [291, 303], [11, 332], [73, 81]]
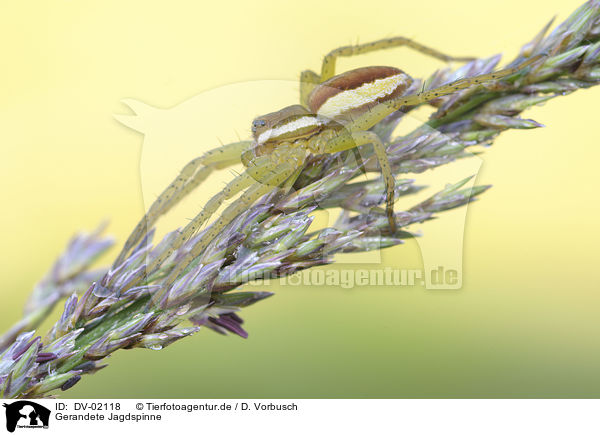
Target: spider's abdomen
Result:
[[354, 92]]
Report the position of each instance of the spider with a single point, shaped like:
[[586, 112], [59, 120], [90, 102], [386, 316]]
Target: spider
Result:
[[335, 114]]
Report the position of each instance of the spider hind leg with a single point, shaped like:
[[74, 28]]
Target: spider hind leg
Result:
[[309, 79]]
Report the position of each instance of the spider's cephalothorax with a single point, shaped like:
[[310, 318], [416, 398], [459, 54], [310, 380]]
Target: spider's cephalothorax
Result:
[[336, 114], [287, 134]]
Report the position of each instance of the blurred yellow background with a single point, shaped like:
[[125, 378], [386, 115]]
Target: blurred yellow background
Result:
[[526, 322]]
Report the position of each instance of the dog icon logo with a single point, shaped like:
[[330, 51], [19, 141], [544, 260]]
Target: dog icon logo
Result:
[[26, 414]]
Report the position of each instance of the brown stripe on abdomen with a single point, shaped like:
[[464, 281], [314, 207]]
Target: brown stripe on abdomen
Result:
[[357, 90], [355, 79]]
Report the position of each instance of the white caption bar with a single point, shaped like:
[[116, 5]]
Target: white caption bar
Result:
[[247, 416]]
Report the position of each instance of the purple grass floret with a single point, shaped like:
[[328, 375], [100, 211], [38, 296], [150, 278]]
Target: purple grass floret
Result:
[[230, 323], [43, 357]]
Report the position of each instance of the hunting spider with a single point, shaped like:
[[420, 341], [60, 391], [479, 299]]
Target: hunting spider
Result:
[[335, 114]]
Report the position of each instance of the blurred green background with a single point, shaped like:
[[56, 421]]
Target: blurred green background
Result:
[[526, 322]]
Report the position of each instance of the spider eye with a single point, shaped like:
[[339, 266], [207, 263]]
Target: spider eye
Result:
[[257, 123]]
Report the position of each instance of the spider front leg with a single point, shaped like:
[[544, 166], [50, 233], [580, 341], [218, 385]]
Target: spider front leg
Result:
[[270, 180], [190, 177], [309, 79], [260, 168], [351, 140]]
